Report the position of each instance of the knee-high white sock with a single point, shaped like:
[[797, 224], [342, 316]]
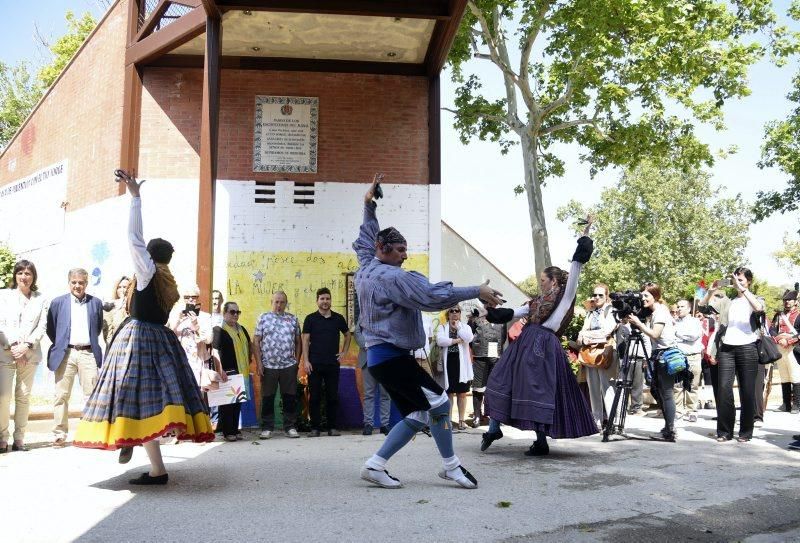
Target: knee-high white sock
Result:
[[153, 450]]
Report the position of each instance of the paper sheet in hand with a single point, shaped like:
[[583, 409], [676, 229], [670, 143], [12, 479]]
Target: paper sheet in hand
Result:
[[231, 391], [492, 351]]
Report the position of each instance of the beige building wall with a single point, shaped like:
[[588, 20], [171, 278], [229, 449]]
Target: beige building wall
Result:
[[464, 265]]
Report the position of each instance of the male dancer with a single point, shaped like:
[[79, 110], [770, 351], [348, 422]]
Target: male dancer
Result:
[[391, 300]]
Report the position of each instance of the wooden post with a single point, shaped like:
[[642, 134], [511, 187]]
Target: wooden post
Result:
[[131, 103], [209, 128], [434, 131]]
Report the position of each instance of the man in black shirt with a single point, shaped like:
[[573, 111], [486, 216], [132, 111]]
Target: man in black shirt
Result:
[[321, 357]]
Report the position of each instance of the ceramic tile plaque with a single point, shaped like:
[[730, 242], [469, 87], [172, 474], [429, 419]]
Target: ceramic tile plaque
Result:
[[285, 138]]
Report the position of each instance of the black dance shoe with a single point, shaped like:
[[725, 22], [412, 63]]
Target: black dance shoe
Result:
[[538, 450], [125, 454], [146, 479], [489, 437]]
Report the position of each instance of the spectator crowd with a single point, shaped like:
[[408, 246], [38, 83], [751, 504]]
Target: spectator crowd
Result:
[[718, 335]]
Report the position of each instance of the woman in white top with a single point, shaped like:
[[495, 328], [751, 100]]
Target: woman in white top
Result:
[[738, 356], [23, 318], [453, 339], [660, 328]]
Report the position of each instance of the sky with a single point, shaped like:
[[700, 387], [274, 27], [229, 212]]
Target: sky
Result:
[[499, 226]]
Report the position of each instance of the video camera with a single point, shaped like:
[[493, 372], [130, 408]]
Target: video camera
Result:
[[629, 303]]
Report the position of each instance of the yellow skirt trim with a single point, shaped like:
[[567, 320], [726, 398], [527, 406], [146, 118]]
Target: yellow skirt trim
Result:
[[126, 432]]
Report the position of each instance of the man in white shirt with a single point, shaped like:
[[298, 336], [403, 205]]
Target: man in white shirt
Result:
[[689, 332], [74, 324]]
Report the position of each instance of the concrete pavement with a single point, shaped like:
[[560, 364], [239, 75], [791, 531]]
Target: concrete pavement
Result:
[[309, 490]]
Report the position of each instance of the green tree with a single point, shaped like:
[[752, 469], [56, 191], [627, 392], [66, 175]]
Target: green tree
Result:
[[623, 79], [19, 93], [7, 261], [64, 48], [789, 256], [781, 150], [662, 224]]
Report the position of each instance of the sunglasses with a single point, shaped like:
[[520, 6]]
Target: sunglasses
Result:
[[234, 312], [454, 311], [597, 295]]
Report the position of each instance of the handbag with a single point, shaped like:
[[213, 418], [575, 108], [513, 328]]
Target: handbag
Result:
[[435, 357], [767, 349], [598, 355], [674, 359]]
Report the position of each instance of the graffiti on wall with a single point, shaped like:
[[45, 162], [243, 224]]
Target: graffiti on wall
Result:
[[254, 275]]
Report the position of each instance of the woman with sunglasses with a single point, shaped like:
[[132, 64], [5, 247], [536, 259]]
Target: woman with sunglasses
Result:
[[532, 387], [598, 327], [233, 356], [454, 339]]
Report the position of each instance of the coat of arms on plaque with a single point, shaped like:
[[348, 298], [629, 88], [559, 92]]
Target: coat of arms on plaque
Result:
[[286, 110]]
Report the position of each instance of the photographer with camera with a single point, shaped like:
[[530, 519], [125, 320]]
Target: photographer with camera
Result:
[[661, 331], [737, 355], [194, 330]]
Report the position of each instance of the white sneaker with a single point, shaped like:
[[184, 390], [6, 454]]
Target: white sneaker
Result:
[[266, 434], [380, 478], [459, 475], [292, 433]]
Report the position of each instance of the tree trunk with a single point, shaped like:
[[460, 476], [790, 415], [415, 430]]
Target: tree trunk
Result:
[[533, 188]]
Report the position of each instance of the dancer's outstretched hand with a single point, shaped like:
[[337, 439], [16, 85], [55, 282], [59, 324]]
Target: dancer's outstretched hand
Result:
[[370, 195], [489, 296], [130, 182]]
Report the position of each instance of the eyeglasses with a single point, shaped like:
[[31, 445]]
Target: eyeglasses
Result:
[[454, 311], [234, 312], [597, 295]]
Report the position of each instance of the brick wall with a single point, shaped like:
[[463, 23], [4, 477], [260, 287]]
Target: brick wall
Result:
[[367, 123], [79, 120]]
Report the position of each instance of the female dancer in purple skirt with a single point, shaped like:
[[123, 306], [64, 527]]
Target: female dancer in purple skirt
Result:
[[532, 387]]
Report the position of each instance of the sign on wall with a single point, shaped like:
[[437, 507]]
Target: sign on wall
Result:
[[285, 138], [32, 209]]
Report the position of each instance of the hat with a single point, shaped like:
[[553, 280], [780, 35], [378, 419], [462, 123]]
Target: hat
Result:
[[390, 235], [160, 250], [789, 295]]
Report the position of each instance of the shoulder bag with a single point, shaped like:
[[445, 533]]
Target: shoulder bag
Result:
[[767, 348], [599, 355], [674, 359]]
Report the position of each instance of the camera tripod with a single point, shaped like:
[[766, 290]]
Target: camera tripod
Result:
[[622, 395]]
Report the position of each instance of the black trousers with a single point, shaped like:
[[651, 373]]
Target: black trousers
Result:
[[740, 361], [328, 374], [229, 418]]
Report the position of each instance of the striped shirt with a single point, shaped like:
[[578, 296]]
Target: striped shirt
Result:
[[391, 299]]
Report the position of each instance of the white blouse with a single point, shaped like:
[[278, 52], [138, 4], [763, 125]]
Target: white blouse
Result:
[[22, 320]]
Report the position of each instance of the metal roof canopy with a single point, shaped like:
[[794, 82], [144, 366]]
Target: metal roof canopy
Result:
[[394, 37]]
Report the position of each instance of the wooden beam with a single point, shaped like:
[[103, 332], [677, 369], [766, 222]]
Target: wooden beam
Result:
[[209, 132], [185, 29], [407, 9], [152, 20], [211, 9], [434, 131], [444, 33], [189, 3], [295, 65], [131, 121], [131, 103], [134, 8]]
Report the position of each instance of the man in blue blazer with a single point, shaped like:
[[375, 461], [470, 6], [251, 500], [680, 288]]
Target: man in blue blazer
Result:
[[74, 323]]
